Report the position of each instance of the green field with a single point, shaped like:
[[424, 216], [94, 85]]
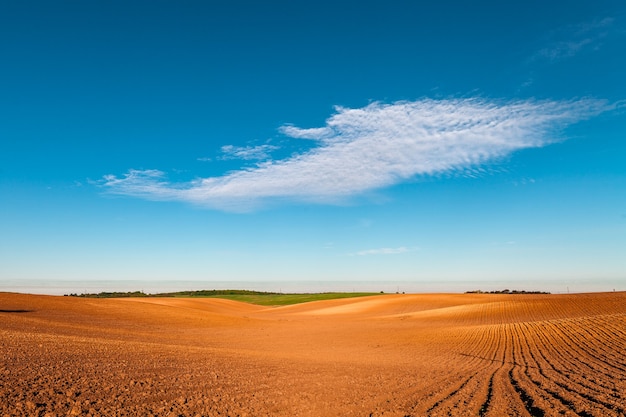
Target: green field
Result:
[[252, 297]]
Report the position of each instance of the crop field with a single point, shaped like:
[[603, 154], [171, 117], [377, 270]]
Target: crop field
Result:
[[382, 355]]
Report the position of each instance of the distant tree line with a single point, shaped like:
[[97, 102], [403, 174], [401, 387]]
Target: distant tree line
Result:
[[198, 293], [114, 294], [506, 291]]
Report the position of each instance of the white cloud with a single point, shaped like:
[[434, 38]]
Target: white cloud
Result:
[[385, 251], [259, 152], [316, 133], [359, 150]]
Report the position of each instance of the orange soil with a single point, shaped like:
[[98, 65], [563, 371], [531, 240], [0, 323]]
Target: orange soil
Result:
[[391, 355]]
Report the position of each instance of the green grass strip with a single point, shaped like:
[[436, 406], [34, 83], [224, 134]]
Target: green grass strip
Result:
[[246, 296]]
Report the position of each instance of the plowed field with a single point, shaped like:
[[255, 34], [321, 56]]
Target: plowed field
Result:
[[391, 355]]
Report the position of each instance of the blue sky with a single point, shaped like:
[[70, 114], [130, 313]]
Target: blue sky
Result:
[[480, 145]]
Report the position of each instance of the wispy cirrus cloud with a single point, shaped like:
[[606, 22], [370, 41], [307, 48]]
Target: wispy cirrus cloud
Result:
[[571, 40], [384, 251], [368, 148], [248, 153]]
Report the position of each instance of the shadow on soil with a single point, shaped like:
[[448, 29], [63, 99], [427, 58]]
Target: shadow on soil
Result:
[[16, 311]]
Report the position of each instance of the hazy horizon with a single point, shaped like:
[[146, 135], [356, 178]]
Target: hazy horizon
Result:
[[46, 287]]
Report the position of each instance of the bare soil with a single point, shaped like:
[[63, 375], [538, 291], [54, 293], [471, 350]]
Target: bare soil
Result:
[[391, 355]]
